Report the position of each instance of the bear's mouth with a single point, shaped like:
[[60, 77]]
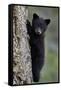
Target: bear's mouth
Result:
[[38, 31]]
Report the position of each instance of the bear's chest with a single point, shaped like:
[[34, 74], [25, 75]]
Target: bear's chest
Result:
[[37, 42], [37, 47]]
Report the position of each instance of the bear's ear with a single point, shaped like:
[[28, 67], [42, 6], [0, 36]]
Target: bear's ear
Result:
[[47, 21], [35, 16]]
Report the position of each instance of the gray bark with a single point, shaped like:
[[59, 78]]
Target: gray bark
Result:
[[22, 67]]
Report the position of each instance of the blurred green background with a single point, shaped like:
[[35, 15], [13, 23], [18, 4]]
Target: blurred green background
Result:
[[49, 73]]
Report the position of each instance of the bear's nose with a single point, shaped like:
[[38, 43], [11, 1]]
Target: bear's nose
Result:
[[38, 31]]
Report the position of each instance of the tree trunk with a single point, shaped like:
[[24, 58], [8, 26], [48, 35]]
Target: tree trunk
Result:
[[22, 67]]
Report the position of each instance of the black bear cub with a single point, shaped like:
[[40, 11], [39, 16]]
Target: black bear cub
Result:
[[36, 33]]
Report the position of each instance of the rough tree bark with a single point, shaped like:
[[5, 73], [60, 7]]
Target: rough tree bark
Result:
[[22, 67]]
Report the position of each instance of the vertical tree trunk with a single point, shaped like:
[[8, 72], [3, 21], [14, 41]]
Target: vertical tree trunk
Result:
[[22, 69]]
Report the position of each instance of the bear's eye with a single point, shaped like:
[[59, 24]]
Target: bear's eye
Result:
[[41, 25]]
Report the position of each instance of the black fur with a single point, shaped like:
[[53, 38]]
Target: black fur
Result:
[[37, 43]]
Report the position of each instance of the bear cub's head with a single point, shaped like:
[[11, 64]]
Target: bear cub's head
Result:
[[39, 25]]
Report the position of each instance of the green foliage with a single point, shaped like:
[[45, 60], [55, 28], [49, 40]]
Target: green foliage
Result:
[[50, 71]]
